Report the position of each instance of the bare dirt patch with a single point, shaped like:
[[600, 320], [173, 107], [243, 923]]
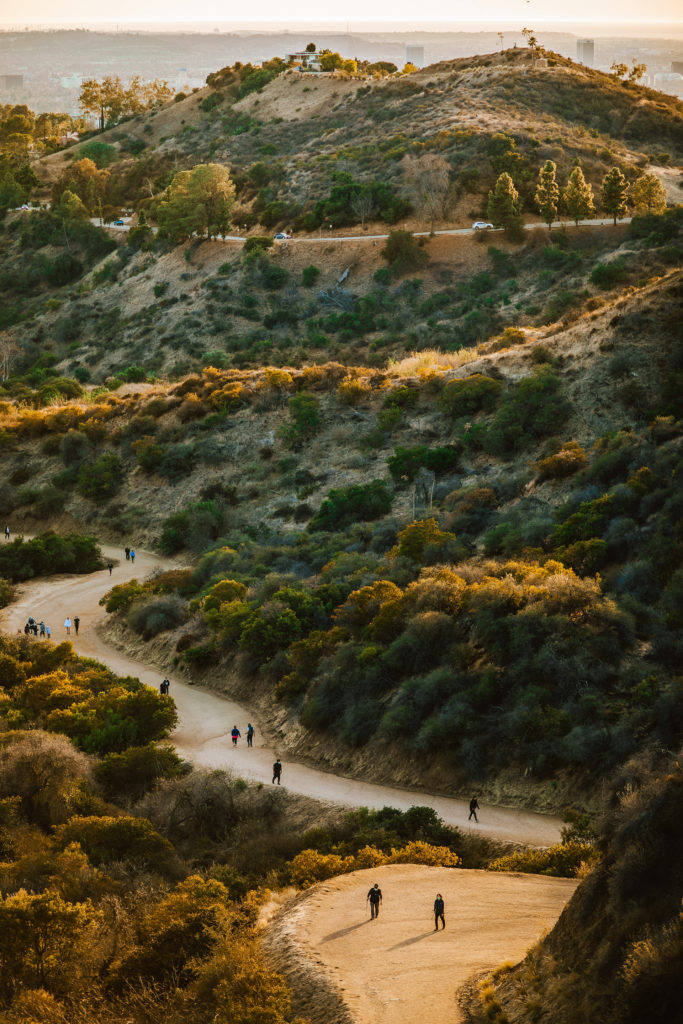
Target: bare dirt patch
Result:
[[395, 970]]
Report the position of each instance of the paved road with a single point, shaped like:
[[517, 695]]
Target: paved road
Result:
[[206, 717], [597, 222]]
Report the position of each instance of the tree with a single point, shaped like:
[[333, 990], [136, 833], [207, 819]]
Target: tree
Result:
[[109, 101], [578, 197], [195, 202], [428, 178], [547, 193], [648, 195], [636, 72], [363, 205], [531, 41], [614, 192], [502, 208], [82, 179], [310, 48], [44, 942], [618, 69]]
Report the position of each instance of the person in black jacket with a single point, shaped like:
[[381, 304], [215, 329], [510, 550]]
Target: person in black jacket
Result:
[[474, 807], [375, 898], [439, 907], [277, 771]]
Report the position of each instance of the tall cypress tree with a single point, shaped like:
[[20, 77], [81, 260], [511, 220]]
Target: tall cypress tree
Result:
[[503, 205], [614, 192], [547, 193], [578, 197]]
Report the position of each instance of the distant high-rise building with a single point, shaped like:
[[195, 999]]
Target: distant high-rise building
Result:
[[415, 55], [585, 52]]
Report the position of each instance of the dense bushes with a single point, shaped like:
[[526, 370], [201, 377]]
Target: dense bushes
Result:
[[345, 505], [49, 553]]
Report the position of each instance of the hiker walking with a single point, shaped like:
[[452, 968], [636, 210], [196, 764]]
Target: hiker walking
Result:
[[127, 554], [439, 907], [277, 771], [67, 625], [374, 897], [42, 628], [165, 686], [7, 531], [110, 566], [48, 632], [474, 807], [250, 735], [235, 735], [132, 555], [77, 623]]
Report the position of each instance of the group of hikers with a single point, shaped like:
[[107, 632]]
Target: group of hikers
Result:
[[235, 734], [374, 898], [130, 554], [41, 628]]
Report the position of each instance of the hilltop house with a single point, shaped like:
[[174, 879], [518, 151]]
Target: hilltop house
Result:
[[304, 61]]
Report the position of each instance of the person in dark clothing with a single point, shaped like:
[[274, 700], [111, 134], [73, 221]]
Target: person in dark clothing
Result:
[[277, 771], [110, 566], [166, 686], [439, 907], [235, 735], [474, 807], [374, 897], [7, 532], [250, 735], [127, 553], [77, 623]]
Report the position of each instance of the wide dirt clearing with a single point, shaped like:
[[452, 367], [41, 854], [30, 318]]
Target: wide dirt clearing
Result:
[[397, 969]]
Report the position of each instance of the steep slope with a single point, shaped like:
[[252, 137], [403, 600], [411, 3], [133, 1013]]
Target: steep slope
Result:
[[615, 953]]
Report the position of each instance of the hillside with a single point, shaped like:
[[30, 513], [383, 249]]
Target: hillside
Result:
[[424, 495]]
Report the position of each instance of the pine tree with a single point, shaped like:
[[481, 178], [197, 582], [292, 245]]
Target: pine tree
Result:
[[547, 193], [614, 191], [503, 205], [578, 197], [648, 195]]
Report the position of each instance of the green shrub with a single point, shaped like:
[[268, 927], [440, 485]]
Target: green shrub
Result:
[[192, 528], [101, 479], [49, 553], [346, 505], [257, 243], [470, 395], [609, 275], [131, 774], [156, 615], [405, 463], [101, 154], [309, 275], [533, 409], [210, 102], [403, 254], [304, 413]]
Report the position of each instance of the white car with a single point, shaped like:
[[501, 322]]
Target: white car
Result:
[[281, 237], [482, 225]]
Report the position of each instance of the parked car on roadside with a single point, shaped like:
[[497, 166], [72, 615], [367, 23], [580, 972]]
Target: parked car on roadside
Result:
[[118, 223], [281, 236], [482, 225]]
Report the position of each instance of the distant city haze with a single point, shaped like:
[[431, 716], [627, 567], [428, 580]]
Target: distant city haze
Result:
[[533, 12]]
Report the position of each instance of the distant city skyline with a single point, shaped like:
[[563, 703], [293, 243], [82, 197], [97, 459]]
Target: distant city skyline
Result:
[[383, 11]]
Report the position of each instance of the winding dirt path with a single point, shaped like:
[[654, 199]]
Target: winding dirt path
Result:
[[206, 718]]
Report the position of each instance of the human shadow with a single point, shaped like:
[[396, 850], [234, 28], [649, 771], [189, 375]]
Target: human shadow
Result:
[[343, 931], [416, 938]]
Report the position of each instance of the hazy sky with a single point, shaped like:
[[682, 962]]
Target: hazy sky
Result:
[[505, 11]]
